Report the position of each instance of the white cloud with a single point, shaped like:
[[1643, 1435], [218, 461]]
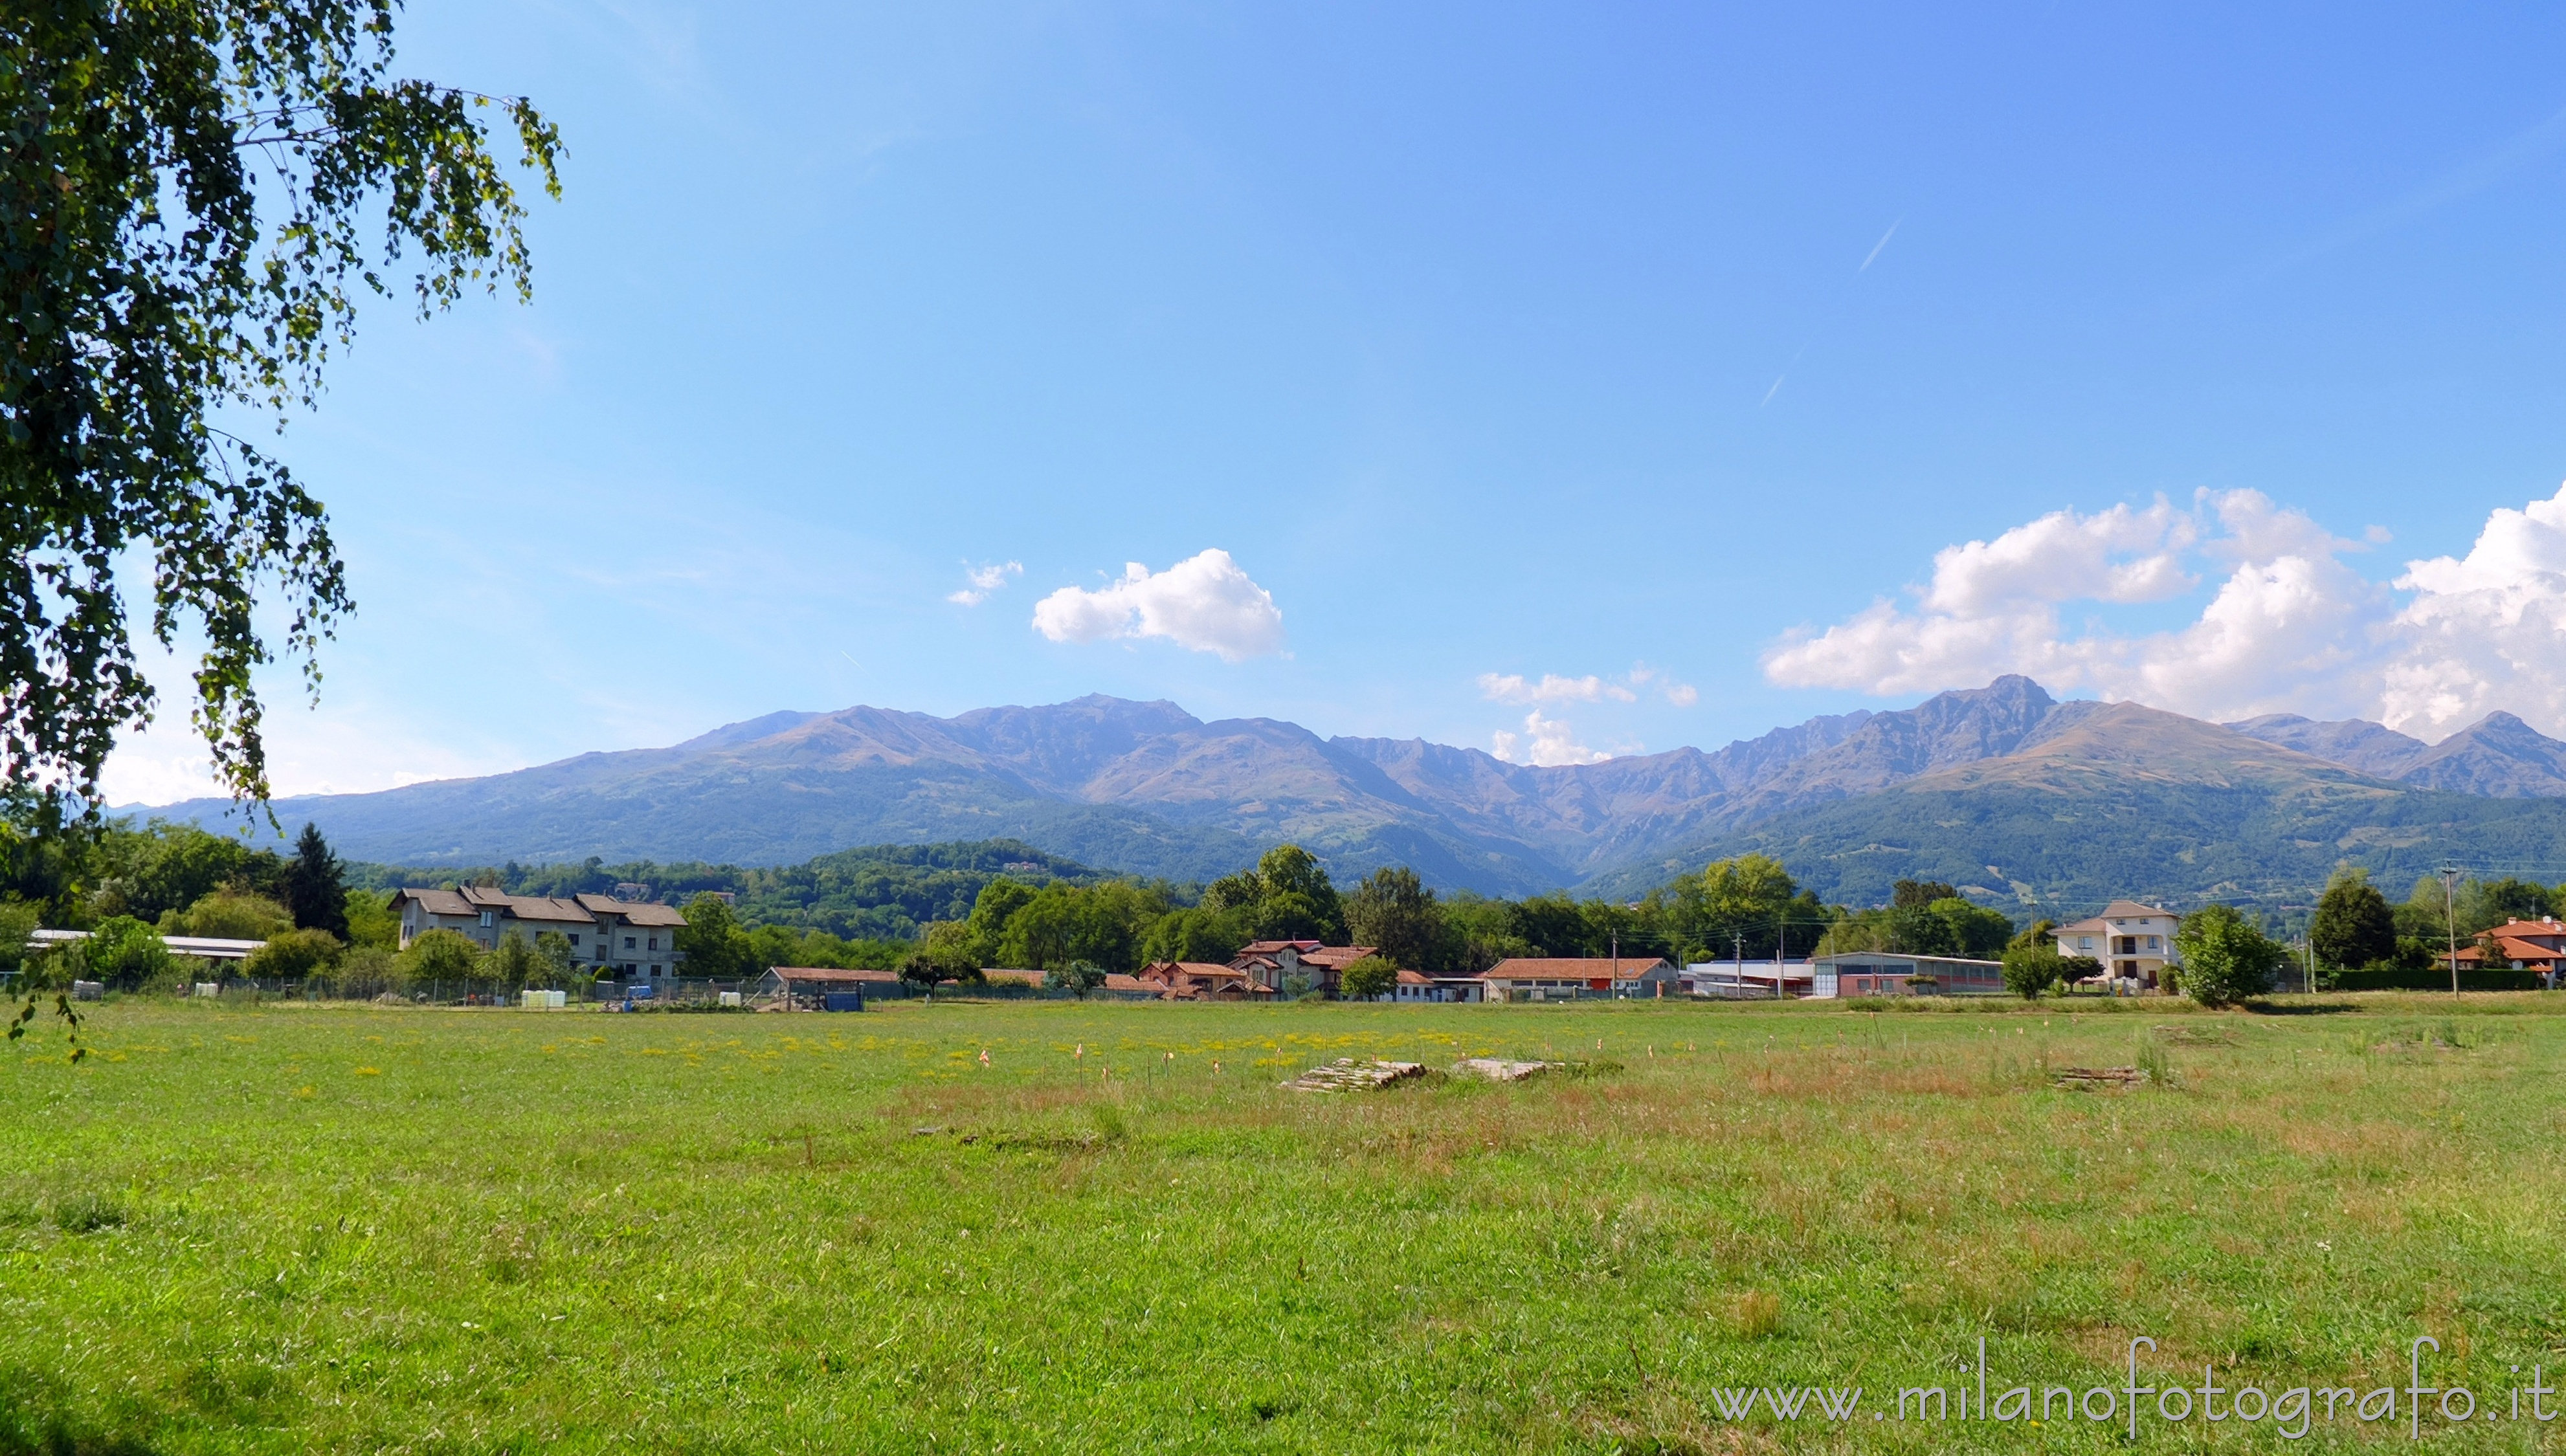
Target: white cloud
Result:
[[984, 580], [1514, 687], [1544, 743], [1204, 603], [2289, 628], [2120, 555], [1510, 687], [2487, 630], [1682, 695]]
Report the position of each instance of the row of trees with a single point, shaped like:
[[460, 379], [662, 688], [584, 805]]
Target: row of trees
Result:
[[134, 886], [2355, 928]]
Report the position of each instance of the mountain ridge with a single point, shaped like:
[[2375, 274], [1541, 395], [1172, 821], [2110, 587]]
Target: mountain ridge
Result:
[[1148, 788]]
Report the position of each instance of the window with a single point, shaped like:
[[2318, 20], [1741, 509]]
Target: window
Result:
[[654, 942], [574, 937], [486, 918], [628, 942]]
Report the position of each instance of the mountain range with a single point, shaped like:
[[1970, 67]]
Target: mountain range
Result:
[[2005, 789]]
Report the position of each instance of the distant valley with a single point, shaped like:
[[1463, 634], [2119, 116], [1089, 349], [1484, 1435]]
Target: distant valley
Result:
[[2029, 799]]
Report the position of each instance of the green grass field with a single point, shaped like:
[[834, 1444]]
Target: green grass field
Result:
[[345, 1228]]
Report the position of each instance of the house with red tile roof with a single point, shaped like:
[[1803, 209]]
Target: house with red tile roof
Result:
[[2530, 945], [1201, 981], [1270, 962], [1570, 978]]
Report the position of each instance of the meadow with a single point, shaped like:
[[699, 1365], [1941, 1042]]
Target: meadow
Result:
[[291, 1228]]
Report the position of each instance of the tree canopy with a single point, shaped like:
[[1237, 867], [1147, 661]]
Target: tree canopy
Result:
[[316, 887], [2353, 926], [185, 194], [2224, 958]]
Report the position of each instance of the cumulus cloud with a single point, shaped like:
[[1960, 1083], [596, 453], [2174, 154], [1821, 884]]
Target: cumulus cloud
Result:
[[1204, 603], [2288, 628], [2487, 630], [984, 580], [1544, 743]]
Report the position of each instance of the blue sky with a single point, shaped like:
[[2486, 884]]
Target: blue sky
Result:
[[1487, 342]]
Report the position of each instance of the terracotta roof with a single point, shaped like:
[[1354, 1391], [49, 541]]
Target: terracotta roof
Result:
[[1414, 978], [2522, 948], [2523, 928], [1581, 968], [1269, 947], [1117, 981], [1193, 968], [1337, 957]]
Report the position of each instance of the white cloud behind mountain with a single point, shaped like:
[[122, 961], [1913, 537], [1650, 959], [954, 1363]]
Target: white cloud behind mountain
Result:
[[1204, 603], [2290, 626]]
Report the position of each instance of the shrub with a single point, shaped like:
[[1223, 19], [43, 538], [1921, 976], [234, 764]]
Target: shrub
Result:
[[231, 914], [2225, 959], [1368, 979], [439, 955], [122, 952], [364, 971], [2032, 969], [294, 955]]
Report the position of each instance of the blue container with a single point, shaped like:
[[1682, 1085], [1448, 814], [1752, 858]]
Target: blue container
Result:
[[842, 1000]]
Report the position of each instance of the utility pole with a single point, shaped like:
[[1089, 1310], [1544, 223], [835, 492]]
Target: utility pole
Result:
[[2450, 920], [1738, 977]]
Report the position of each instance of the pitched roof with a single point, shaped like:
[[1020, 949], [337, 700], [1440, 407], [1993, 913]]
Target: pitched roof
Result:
[[1414, 978], [1269, 947], [435, 901], [2131, 910], [539, 907], [2095, 926], [1117, 981], [1337, 957], [1626, 968], [634, 912]]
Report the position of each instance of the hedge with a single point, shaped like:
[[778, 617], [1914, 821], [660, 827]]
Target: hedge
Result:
[[2391, 980]]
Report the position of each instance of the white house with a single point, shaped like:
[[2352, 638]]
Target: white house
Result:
[[2135, 942]]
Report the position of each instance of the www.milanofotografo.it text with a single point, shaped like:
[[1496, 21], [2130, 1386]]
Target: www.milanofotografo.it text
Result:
[[2292, 1412]]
